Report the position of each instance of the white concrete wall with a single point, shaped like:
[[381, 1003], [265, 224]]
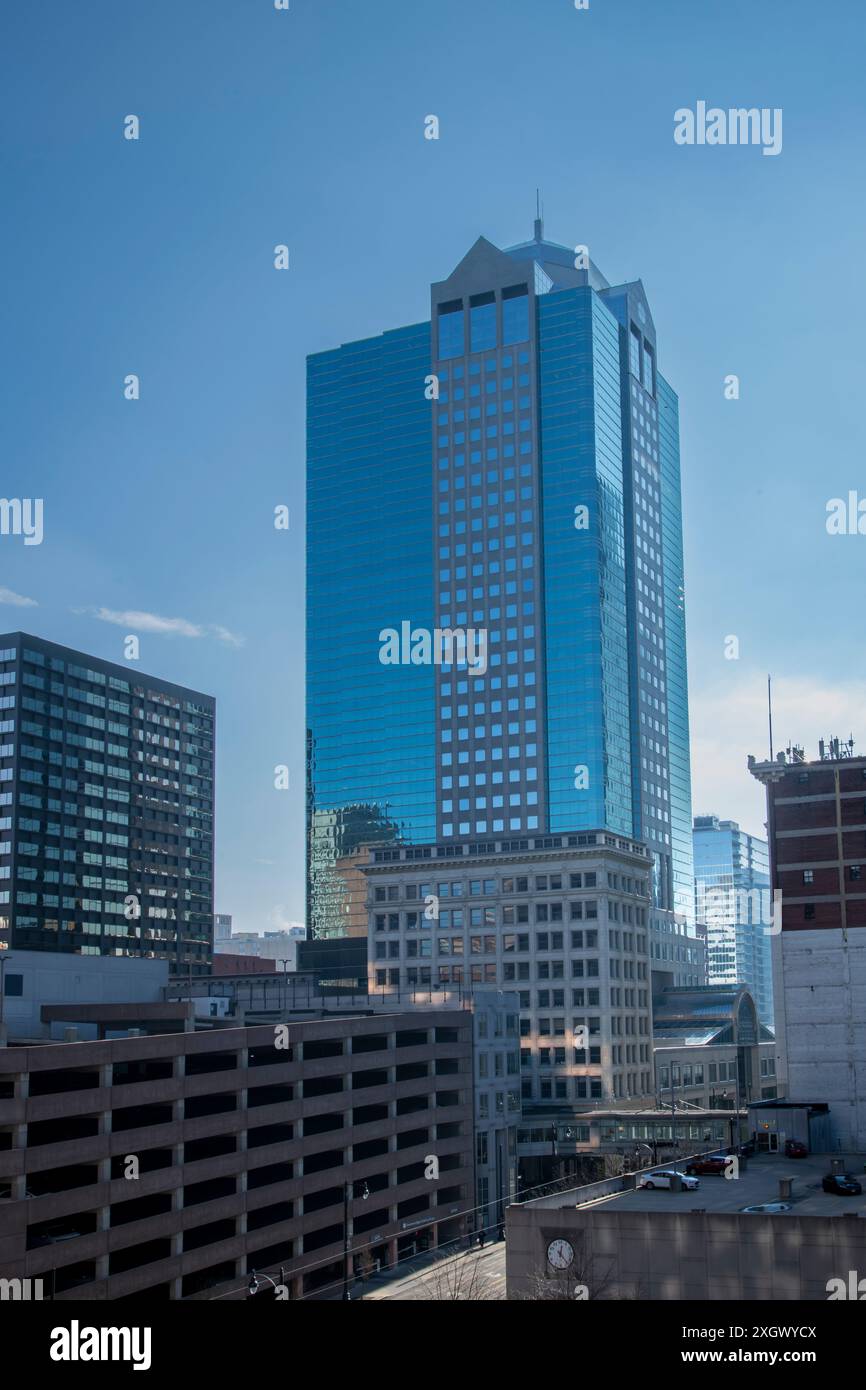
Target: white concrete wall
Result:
[[823, 1017], [53, 978]]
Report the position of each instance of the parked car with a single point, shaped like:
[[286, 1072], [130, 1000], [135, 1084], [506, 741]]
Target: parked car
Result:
[[744, 1150], [795, 1148], [663, 1179], [842, 1184], [710, 1163], [767, 1208]]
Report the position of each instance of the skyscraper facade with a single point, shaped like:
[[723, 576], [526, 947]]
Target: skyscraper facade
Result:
[[496, 639], [106, 808], [733, 899]]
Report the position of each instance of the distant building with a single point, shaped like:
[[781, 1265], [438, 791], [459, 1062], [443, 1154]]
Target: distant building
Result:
[[222, 926], [107, 795], [224, 963], [710, 1048], [816, 818], [281, 946], [733, 901]]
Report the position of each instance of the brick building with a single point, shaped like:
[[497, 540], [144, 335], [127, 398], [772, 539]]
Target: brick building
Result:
[[816, 821]]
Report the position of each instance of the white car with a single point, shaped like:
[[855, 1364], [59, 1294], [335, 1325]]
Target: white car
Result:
[[663, 1179]]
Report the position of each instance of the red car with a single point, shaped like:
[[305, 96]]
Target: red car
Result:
[[711, 1163], [795, 1148]]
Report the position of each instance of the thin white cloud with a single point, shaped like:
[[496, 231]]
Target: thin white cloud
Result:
[[17, 600], [231, 639], [279, 920], [136, 621], [729, 721]]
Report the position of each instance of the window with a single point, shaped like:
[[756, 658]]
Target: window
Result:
[[633, 353], [13, 986], [648, 369], [854, 871], [809, 912], [451, 330], [482, 322], [515, 314], [808, 876]]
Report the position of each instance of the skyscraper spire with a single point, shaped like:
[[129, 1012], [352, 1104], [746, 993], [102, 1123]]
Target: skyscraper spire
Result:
[[538, 230]]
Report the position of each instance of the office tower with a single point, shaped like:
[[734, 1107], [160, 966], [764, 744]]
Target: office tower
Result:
[[816, 822], [733, 900], [496, 633], [107, 803]]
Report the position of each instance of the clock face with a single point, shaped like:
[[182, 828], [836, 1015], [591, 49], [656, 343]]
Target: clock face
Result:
[[560, 1254]]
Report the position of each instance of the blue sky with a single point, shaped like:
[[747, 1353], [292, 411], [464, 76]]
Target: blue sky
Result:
[[305, 127]]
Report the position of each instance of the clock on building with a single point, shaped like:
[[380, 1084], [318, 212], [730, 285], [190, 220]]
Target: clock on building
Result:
[[560, 1254]]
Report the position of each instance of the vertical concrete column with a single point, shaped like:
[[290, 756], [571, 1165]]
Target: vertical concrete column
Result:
[[177, 1114], [20, 1091], [103, 1215]]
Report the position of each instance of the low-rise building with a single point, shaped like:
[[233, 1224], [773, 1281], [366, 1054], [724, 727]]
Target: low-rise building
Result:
[[172, 1164], [250, 999], [769, 1232], [710, 1048]]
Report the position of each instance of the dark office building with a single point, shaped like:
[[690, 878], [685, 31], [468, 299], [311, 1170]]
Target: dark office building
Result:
[[106, 808]]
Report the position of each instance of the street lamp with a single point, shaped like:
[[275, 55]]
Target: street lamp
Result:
[[254, 1285], [285, 962], [347, 1190]]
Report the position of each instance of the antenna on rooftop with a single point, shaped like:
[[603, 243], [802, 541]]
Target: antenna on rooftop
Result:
[[538, 230], [770, 712]]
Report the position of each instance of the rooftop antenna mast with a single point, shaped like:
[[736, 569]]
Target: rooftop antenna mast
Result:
[[539, 225], [770, 712]]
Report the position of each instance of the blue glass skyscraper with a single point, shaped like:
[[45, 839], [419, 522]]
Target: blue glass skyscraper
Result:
[[509, 469], [734, 900]]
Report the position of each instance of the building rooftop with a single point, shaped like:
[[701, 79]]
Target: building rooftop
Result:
[[758, 1182]]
